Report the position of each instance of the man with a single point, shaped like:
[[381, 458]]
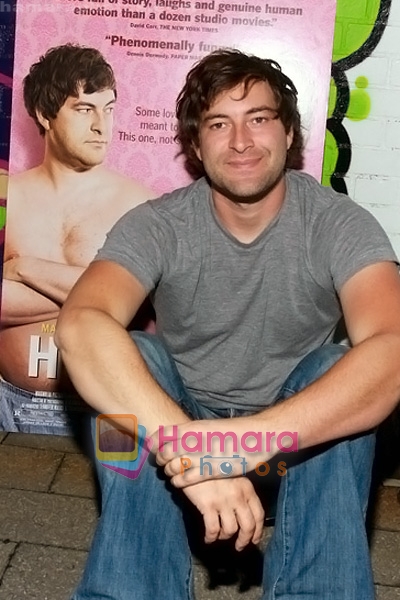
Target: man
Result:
[[58, 216], [250, 269]]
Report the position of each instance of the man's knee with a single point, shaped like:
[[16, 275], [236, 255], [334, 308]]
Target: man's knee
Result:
[[156, 356], [150, 347]]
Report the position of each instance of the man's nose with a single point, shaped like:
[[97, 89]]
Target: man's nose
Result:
[[98, 122], [241, 138]]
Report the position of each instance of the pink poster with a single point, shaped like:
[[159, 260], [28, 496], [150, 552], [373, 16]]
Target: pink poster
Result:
[[150, 45]]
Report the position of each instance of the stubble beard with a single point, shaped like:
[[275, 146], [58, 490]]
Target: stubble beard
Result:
[[249, 194]]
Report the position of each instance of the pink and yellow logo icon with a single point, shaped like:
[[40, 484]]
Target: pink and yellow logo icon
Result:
[[121, 444]]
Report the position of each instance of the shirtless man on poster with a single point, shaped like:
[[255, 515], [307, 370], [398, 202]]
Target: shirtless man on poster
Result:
[[58, 215]]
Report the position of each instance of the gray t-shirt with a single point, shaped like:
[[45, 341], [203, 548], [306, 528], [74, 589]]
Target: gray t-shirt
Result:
[[238, 317]]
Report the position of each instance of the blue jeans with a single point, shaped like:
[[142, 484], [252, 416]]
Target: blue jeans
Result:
[[29, 412], [319, 548]]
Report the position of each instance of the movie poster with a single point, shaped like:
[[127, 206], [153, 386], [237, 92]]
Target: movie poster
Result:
[[52, 233]]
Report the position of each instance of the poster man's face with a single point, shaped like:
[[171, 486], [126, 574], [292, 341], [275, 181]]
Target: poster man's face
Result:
[[242, 144], [81, 131]]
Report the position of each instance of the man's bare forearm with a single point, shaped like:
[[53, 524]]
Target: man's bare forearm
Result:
[[51, 279], [22, 305], [108, 370], [355, 395]]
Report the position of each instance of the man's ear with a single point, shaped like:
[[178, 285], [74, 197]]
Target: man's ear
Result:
[[289, 139], [45, 123], [197, 151]]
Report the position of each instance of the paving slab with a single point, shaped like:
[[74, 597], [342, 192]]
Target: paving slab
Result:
[[48, 519], [75, 477], [6, 551], [387, 593], [385, 553], [60, 443], [27, 468], [42, 573], [387, 509], [392, 482]]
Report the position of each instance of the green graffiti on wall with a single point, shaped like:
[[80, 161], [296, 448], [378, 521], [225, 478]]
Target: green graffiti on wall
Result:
[[358, 29], [355, 20], [2, 217], [360, 102], [359, 109], [331, 153]]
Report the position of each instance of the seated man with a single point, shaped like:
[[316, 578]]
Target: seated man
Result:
[[250, 268]]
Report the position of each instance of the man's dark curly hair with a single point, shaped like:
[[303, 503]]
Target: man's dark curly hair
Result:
[[59, 73], [221, 71]]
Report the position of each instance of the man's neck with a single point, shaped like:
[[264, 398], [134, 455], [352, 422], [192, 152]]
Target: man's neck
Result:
[[246, 221], [63, 177]]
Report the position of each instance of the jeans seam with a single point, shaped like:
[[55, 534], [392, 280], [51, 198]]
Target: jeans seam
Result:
[[284, 538], [190, 581], [287, 390]]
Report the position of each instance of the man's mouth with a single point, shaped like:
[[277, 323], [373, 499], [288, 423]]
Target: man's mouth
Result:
[[246, 163]]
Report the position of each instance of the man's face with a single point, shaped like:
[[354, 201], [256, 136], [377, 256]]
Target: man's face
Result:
[[79, 135], [242, 145]]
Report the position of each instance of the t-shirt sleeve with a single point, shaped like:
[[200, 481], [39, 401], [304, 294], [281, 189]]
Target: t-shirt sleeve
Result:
[[139, 242], [345, 239]]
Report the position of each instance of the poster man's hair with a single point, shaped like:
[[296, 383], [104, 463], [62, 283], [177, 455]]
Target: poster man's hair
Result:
[[59, 73], [221, 71]]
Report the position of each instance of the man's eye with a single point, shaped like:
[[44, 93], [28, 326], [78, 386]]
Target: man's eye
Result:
[[84, 111], [218, 125], [109, 110], [260, 120]]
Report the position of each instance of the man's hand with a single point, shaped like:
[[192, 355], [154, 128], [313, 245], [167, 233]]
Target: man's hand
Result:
[[229, 506], [187, 466], [11, 268], [16, 267]]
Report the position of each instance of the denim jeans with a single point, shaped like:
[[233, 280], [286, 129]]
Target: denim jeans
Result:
[[29, 412], [319, 548]]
